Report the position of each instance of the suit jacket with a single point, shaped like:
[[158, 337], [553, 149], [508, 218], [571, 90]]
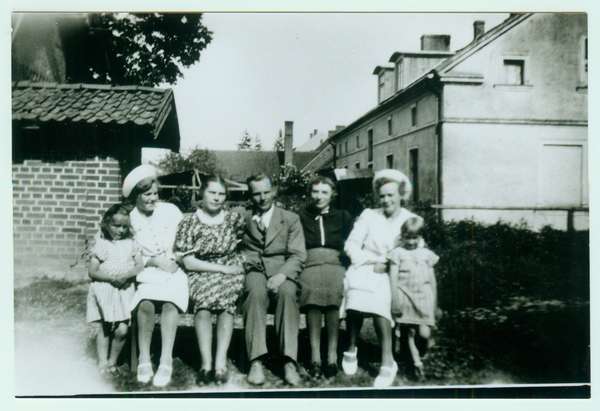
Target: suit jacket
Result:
[[281, 249]]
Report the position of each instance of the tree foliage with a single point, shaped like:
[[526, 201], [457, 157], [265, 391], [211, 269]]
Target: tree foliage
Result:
[[257, 143], [200, 159], [245, 142], [143, 49], [279, 142]]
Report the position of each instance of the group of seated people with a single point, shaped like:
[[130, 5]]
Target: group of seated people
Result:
[[151, 259]]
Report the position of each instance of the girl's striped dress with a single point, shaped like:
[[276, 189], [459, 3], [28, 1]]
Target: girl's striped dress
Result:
[[105, 302], [416, 284]]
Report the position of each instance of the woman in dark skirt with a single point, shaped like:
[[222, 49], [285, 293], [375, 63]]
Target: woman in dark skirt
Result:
[[322, 281]]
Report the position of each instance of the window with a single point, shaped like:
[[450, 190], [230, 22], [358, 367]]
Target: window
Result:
[[514, 72], [399, 75], [357, 142], [389, 161], [346, 146], [370, 146], [357, 165], [414, 172], [340, 149], [389, 126], [413, 115], [370, 166]]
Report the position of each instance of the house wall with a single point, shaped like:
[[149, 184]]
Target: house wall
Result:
[[552, 47], [403, 138], [56, 208], [520, 145], [504, 165]]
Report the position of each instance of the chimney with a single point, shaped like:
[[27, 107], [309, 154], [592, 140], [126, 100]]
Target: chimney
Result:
[[330, 133], [339, 128], [288, 157], [435, 42], [478, 29]]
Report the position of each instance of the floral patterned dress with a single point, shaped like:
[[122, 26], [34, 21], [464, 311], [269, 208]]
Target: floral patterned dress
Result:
[[216, 243]]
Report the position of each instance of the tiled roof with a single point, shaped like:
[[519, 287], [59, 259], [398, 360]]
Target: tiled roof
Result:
[[91, 103], [239, 165]]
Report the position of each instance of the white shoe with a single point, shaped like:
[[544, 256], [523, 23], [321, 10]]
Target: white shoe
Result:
[[162, 376], [142, 376], [349, 362], [386, 376]]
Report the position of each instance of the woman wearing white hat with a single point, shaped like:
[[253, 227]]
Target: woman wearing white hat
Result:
[[367, 283], [162, 285]]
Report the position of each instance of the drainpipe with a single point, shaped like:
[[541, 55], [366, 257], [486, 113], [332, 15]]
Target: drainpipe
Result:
[[432, 83]]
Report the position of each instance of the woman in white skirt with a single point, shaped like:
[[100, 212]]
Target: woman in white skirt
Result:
[[162, 285], [367, 284]]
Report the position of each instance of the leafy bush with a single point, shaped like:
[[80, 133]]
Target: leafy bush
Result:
[[486, 265]]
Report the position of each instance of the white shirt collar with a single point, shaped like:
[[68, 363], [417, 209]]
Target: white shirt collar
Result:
[[266, 216]]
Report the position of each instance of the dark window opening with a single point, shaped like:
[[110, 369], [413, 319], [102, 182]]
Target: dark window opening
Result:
[[413, 116], [515, 72], [389, 161], [414, 173], [370, 146]]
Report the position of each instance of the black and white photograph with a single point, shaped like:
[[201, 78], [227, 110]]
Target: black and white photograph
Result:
[[300, 204]]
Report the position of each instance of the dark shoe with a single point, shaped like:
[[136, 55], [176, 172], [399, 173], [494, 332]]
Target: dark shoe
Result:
[[315, 370], [419, 373], [291, 373], [331, 370], [204, 376], [221, 376], [256, 376]]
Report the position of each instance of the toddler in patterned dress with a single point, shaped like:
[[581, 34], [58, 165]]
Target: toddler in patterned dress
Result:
[[414, 290], [115, 260]]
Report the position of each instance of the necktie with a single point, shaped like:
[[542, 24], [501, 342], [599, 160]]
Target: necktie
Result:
[[319, 218], [259, 223]]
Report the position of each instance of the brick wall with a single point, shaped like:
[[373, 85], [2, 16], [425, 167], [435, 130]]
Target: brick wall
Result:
[[56, 208]]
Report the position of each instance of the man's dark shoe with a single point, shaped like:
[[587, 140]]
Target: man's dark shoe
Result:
[[331, 370]]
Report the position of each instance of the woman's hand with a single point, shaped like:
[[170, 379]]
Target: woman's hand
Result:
[[380, 268], [233, 269], [165, 264]]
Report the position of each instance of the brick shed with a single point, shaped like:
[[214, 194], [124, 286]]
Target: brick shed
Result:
[[72, 145]]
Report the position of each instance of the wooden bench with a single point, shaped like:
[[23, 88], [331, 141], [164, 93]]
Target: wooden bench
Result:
[[187, 320]]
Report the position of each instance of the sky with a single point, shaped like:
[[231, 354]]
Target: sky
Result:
[[314, 69]]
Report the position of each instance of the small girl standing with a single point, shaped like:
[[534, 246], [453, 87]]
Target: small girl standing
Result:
[[115, 260], [414, 290]]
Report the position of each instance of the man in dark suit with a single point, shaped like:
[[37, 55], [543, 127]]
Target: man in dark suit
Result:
[[274, 247]]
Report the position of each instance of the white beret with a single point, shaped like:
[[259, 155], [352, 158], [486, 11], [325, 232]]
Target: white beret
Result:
[[396, 176], [135, 176]]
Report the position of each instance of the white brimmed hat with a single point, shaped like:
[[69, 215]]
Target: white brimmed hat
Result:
[[396, 176], [135, 176]]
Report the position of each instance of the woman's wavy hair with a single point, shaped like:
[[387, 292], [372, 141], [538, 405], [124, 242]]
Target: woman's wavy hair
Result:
[[107, 217], [213, 178], [380, 182]]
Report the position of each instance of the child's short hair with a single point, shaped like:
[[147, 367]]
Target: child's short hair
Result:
[[413, 225], [110, 213]]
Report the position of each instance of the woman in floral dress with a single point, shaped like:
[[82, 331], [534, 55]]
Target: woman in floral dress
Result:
[[209, 240]]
